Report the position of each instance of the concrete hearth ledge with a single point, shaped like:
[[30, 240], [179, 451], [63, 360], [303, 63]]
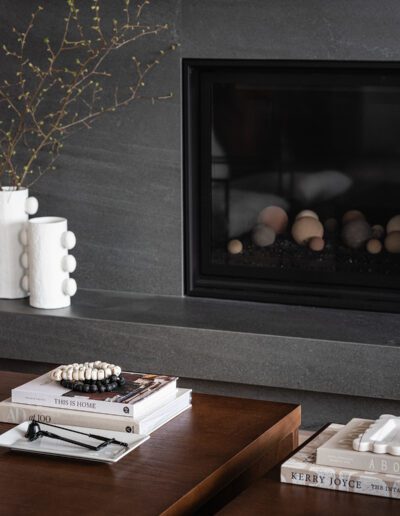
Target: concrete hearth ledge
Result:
[[314, 349]]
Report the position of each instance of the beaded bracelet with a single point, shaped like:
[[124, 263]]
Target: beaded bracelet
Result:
[[89, 377]]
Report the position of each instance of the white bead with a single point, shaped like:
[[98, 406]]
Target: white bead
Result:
[[58, 375], [100, 374], [88, 373], [68, 240], [64, 374], [82, 374], [104, 365], [116, 370], [75, 374], [24, 260], [97, 364], [69, 373], [31, 205], [68, 263], [91, 364], [94, 374], [69, 287], [108, 372], [23, 237]]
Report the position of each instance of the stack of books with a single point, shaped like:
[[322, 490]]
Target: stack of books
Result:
[[329, 461], [143, 404]]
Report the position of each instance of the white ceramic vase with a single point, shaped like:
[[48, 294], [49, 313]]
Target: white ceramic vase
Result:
[[15, 208], [49, 263]]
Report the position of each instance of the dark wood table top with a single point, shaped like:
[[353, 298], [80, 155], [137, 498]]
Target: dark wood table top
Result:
[[269, 497], [183, 464]]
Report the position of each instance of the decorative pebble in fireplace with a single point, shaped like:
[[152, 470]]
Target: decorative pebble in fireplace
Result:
[[293, 182], [269, 240]]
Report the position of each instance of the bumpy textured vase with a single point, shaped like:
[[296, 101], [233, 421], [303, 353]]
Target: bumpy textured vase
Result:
[[49, 263], [15, 207]]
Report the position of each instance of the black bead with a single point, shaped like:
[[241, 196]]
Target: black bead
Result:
[[113, 378], [102, 388], [122, 380], [106, 380], [93, 388], [63, 383], [86, 387], [109, 387], [79, 387]]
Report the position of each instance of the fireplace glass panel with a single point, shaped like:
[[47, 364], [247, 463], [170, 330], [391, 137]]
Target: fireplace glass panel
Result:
[[290, 138]]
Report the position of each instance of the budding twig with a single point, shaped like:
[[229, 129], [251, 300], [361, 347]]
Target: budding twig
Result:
[[45, 103]]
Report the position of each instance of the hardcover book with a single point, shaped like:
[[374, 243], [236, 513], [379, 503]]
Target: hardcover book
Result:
[[301, 469], [166, 410], [137, 397], [338, 451]]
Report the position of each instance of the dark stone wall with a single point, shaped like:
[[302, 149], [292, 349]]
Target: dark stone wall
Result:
[[120, 183]]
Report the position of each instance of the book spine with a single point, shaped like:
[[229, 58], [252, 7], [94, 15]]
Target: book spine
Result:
[[361, 461], [12, 413], [387, 486], [74, 403]]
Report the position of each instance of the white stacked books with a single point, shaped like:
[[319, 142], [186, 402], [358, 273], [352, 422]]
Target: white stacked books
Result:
[[338, 451], [302, 469], [168, 408], [141, 405], [140, 394]]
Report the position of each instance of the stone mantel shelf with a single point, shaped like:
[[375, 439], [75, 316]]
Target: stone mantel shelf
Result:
[[316, 349]]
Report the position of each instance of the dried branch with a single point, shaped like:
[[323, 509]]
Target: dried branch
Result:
[[47, 102]]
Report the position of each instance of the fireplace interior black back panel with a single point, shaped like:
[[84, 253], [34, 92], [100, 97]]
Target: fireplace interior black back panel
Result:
[[299, 135]]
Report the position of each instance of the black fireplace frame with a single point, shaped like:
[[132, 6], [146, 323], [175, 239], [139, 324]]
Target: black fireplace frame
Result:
[[200, 281]]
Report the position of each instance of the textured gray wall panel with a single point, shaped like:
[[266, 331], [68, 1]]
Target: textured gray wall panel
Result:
[[120, 184]]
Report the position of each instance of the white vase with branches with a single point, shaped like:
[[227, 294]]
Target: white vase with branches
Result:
[[15, 207], [66, 87]]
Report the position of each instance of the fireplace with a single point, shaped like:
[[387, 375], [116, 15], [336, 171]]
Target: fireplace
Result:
[[292, 182]]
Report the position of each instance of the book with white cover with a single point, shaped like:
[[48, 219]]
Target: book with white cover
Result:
[[301, 469], [140, 394], [338, 451], [166, 410]]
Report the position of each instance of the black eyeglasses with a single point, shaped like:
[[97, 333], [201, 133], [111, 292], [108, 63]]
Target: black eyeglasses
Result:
[[34, 432]]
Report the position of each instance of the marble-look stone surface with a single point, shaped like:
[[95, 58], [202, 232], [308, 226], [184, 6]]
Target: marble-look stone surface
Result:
[[316, 350], [286, 29], [317, 408]]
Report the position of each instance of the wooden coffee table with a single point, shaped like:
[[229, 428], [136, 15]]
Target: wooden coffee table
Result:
[[201, 459], [269, 497]]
